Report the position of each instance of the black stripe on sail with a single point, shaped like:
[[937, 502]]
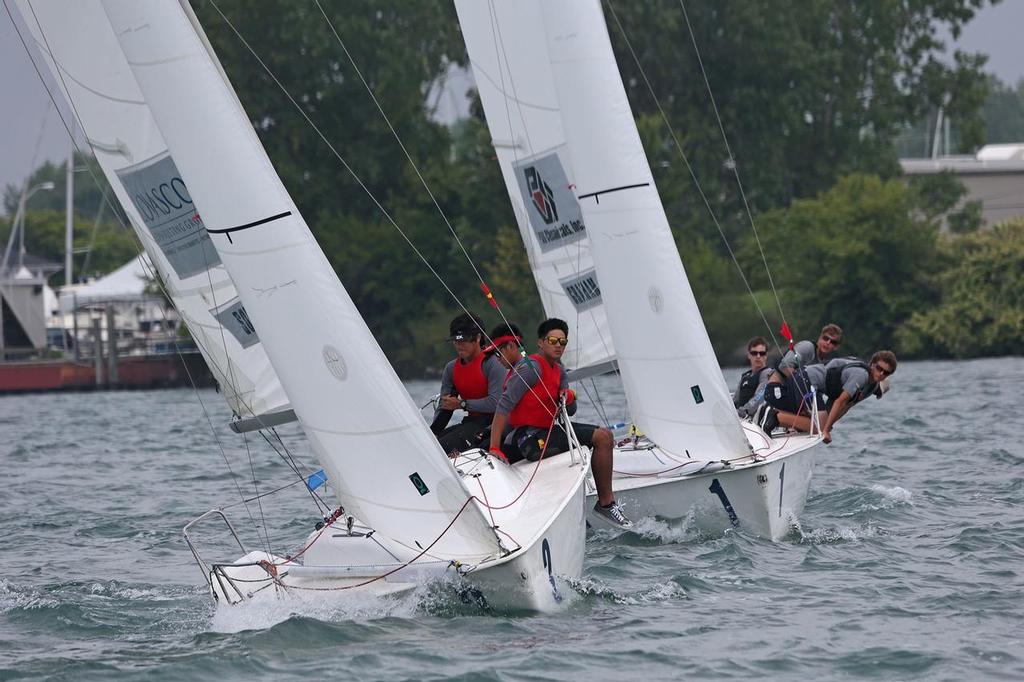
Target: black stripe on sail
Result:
[[597, 195], [229, 230]]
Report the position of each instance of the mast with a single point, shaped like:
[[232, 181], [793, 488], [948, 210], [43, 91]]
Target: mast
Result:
[[69, 219]]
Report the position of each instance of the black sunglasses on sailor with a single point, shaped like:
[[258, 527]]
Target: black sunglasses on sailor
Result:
[[758, 353], [557, 340], [883, 369], [829, 339]]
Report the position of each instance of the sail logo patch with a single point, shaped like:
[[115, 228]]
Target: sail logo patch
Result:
[[417, 481], [551, 205], [543, 197], [162, 200], [232, 316], [583, 290]]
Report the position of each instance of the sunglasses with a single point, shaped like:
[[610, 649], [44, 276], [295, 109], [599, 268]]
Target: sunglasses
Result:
[[758, 353], [884, 370], [829, 339], [557, 340]]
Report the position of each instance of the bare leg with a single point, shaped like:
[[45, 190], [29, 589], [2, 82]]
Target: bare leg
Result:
[[795, 421], [601, 466], [798, 422]]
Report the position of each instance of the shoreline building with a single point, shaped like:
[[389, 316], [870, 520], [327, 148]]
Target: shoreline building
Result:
[[994, 176]]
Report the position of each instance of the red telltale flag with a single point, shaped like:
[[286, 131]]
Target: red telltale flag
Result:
[[786, 334], [487, 292]]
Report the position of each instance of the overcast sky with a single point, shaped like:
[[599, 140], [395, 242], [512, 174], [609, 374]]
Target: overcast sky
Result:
[[25, 111]]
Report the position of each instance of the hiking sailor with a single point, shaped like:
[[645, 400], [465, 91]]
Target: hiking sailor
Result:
[[471, 382], [534, 389], [847, 381]]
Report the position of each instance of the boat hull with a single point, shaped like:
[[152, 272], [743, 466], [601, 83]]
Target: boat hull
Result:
[[763, 494], [530, 574]]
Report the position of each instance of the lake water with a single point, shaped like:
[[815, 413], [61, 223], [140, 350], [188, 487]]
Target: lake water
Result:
[[908, 562]]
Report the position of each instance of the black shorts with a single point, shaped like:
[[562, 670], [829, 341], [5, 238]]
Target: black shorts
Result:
[[472, 432], [792, 395], [529, 442]]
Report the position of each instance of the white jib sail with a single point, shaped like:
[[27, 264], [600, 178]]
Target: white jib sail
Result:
[[79, 48], [386, 466], [673, 383], [509, 61]]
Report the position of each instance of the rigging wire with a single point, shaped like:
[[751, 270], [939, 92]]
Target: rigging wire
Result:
[[499, 45], [693, 174], [355, 176], [732, 158], [422, 180]]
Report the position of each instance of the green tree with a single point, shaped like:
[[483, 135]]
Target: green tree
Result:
[[807, 91], [401, 49], [858, 255], [981, 310], [111, 245]]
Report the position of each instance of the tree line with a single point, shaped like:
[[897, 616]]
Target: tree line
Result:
[[813, 97]]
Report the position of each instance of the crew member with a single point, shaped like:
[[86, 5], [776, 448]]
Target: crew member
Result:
[[528, 406], [472, 382], [843, 382], [788, 389], [750, 393]]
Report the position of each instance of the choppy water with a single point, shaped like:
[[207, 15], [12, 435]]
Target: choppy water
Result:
[[908, 562]]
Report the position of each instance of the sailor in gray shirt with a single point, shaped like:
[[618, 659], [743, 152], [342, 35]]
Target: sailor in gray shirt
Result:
[[847, 381], [472, 382], [806, 353]]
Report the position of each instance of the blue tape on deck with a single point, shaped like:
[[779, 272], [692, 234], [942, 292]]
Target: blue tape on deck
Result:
[[316, 480]]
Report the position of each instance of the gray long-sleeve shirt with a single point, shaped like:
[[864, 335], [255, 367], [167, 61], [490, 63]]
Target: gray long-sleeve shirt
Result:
[[804, 351], [495, 373]]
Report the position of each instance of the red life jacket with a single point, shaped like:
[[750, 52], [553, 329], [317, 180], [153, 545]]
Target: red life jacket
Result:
[[537, 408], [470, 380]]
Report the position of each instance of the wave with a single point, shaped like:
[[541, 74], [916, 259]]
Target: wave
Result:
[[263, 614]]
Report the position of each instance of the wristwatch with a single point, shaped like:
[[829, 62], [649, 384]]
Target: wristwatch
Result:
[[462, 404]]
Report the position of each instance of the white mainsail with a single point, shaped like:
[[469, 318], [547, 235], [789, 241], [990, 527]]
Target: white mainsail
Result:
[[386, 466], [82, 53], [673, 383], [518, 94]]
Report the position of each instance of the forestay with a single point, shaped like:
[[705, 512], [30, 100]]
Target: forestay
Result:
[[509, 60], [385, 464], [673, 383], [82, 53]]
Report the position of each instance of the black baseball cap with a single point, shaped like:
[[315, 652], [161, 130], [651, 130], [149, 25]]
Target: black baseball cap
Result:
[[465, 327]]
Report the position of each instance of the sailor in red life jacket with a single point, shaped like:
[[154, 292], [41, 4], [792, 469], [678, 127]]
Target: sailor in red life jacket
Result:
[[528, 406], [471, 382]]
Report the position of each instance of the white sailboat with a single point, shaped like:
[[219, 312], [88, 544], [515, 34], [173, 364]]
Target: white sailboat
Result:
[[127, 67], [558, 114]]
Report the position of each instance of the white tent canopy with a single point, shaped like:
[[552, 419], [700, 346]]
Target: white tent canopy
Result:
[[127, 283]]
